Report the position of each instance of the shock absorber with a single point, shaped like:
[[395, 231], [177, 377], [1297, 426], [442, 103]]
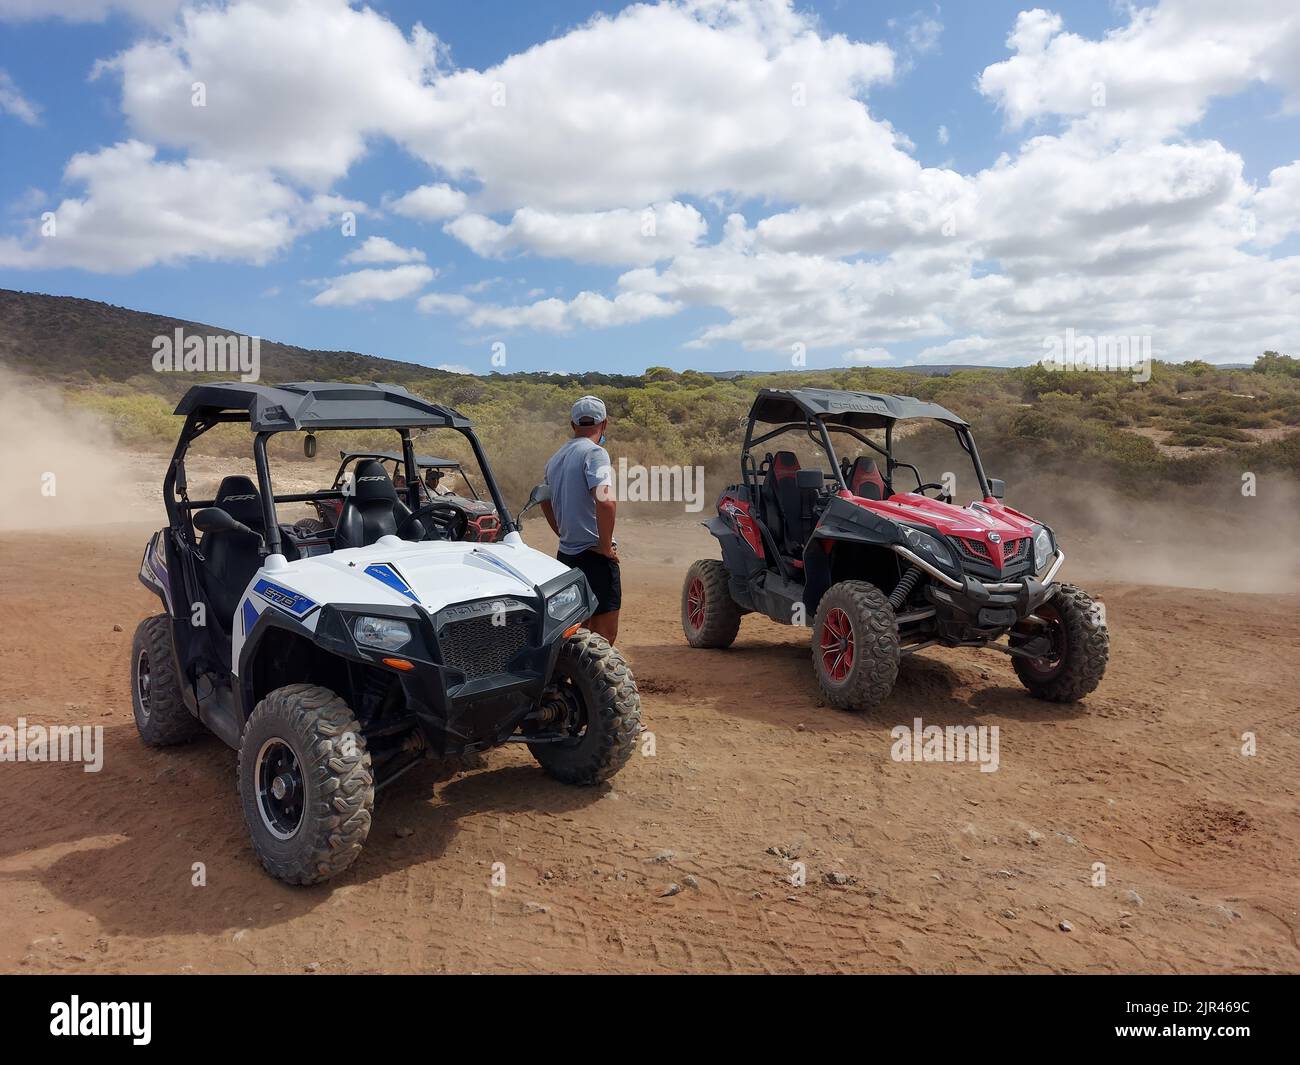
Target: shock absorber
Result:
[[904, 587]]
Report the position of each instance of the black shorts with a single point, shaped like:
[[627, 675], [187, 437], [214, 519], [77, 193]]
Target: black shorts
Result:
[[603, 576]]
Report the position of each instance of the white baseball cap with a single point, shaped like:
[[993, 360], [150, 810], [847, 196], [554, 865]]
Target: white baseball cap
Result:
[[589, 408]]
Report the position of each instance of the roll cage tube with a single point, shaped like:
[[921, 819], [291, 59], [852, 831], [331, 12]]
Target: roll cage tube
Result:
[[412, 471], [749, 471], [268, 494], [503, 513]]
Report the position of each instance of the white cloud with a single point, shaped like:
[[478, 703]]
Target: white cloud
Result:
[[971, 349], [156, 11], [923, 33], [13, 102], [618, 237], [867, 356], [454, 367], [1277, 205], [429, 203], [605, 116], [293, 85], [587, 309], [445, 303], [1113, 215], [383, 250], [368, 286], [943, 135], [137, 211], [693, 98], [1153, 76]]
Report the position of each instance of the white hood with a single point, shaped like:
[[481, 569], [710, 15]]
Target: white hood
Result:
[[436, 572], [395, 572]]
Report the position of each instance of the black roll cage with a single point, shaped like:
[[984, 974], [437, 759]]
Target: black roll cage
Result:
[[180, 508], [452, 467], [822, 435]]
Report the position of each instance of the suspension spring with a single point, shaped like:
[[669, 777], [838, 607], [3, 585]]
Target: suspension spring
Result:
[[904, 587]]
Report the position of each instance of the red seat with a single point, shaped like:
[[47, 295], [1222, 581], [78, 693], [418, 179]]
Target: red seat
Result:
[[865, 480]]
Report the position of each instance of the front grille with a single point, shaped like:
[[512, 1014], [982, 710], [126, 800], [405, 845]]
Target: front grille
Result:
[[479, 648], [1014, 551], [1017, 558]]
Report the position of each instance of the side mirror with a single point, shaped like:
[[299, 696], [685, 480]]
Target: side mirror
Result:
[[214, 519], [540, 494], [309, 445], [997, 487]]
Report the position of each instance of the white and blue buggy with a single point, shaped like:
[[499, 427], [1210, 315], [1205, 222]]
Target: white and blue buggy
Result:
[[333, 660]]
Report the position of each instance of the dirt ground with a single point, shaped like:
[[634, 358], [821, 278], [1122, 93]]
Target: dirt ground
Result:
[[933, 867]]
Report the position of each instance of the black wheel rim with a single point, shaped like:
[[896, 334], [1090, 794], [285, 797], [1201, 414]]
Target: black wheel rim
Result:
[[280, 791], [568, 700], [143, 682], [1050, 664]]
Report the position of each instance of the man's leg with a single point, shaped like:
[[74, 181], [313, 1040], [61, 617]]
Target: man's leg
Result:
[[605, 624]]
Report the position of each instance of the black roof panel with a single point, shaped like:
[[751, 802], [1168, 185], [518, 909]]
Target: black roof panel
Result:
[[320, 405], [861, 410]]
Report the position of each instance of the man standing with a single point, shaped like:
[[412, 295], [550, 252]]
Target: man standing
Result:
[[581, 511]]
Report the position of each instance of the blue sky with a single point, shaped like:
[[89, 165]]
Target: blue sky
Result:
[[859, 234]]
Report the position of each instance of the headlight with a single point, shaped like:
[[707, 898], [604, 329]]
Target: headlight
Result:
[[1043, 547], [564, 602], [925, 544], [388, 634]]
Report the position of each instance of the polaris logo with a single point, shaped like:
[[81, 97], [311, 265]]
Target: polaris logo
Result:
[[995, 538], [132, 1019], [469, 610]]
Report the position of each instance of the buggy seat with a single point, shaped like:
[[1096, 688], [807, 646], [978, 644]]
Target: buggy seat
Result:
[[231, 556], [372, 510], [789, 511], [864, 479]]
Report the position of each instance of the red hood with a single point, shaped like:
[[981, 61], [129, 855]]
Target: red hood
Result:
[[951, 520]]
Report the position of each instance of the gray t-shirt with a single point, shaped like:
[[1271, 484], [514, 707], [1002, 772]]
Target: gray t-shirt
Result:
[[572, 472]]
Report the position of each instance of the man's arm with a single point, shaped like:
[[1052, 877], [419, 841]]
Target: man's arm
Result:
[[549, 511], [606, 505]]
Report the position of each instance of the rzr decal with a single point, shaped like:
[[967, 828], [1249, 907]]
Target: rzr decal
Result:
[[295, 603], [386, 573]]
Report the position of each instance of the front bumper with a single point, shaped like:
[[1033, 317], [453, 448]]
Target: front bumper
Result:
[[967, 608], [477, 669]]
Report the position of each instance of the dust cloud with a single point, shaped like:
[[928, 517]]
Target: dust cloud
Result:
[[60, 467], [1179, 536]]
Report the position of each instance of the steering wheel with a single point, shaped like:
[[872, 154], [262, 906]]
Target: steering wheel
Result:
[[447, 519], [920, 488]]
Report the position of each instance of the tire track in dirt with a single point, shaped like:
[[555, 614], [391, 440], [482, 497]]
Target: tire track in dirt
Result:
[[945, 869]]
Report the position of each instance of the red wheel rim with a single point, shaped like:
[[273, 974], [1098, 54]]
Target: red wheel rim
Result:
[[837, 645], [695, 603]]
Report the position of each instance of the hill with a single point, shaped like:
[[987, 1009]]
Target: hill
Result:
[[1191, 423]]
